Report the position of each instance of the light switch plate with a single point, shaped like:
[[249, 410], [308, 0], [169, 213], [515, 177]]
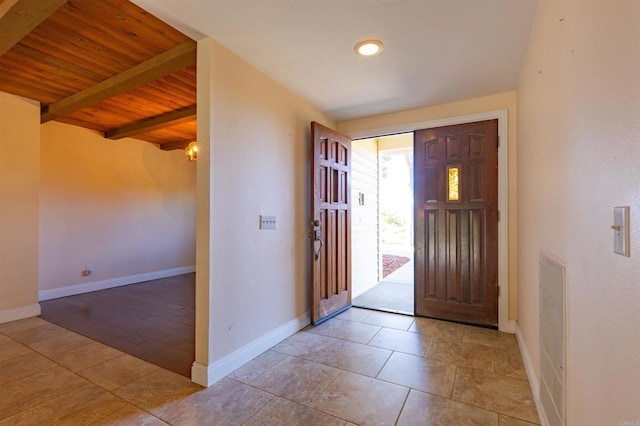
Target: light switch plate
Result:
[[621, 230], [267, 222]]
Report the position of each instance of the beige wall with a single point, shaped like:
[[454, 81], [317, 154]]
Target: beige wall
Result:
[[472, 106], [257, 163], [365, 257], [578, 157], [126, 207], [19, 180]]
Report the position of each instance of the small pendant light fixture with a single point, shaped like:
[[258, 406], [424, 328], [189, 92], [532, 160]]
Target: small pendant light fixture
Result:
[[192, 151], [368, 47]]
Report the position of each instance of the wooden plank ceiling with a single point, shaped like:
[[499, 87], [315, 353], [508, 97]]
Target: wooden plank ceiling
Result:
[[105, 65]]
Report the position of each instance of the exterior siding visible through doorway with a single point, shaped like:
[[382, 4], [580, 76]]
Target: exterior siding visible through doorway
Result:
[[364, 222]]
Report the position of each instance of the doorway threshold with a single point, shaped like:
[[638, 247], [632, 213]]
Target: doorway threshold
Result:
[[390, 311]]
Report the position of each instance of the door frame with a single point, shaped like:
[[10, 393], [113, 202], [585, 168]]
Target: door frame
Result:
[[504, 323]]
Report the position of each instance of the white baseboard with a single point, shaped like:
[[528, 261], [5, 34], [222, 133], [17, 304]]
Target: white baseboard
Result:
[[531, 374], [22, 312], [208, 375], [113, 282]]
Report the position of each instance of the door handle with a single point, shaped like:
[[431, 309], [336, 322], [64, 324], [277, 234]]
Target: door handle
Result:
[[319, 248], [317, 236]]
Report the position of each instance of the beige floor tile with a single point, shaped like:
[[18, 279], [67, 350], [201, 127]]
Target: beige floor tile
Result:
[[297, 379], [505, 395], [81, 406], [362, 400], [506, 362], [282, 412], [304, 344], [438, 329], [346, 330], [402, 341], [129, 415], [495, 360], [445, 350], [61, 343], [33, 330], [385, 319], [158, 391], [22, 366], [254, 368], [85, 356], [431, 410], [9, 348], [428, 375], [354, 357], [225, 403], [33, 390], [355, 314], [118, 372], [486, 337], [510, 421]]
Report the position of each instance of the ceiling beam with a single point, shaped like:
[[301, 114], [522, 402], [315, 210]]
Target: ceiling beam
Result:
[[176, 59], [170, 146], [154, 123], [19, 17]]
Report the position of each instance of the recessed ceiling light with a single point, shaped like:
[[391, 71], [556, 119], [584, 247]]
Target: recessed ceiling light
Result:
[[369, 47]]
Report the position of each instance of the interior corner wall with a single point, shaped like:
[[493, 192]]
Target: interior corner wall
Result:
[[455, 109], [578, 158], [259, 166], [126, 207], [19, 180]]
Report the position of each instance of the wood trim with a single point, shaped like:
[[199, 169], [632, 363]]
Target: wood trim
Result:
[[178, 58], [170, 146], [19, 17], [154, 123]]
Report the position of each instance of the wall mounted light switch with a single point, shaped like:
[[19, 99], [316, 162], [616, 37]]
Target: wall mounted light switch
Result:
[[267, 222], [621, 231]]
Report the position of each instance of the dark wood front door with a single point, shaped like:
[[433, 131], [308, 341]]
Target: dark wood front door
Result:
[[330, 222], [456, 222]]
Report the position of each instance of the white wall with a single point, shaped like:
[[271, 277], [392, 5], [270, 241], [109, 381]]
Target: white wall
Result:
[[578, 157], [19, 180], [256, 160], [126, 207], [365, 255]]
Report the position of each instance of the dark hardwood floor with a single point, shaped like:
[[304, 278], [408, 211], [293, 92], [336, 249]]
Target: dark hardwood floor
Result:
[[154, 320]]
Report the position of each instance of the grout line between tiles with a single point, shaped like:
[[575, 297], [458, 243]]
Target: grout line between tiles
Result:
[[402, 408]]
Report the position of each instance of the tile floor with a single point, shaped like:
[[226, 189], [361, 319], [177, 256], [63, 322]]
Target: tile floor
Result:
[[362, 367]]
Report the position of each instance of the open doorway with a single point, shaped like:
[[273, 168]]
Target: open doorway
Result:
[[382, 224]]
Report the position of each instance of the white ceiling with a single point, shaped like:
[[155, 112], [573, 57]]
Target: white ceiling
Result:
[[435, 51]]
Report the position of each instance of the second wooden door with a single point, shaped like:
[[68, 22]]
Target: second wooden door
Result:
[[456, 222]]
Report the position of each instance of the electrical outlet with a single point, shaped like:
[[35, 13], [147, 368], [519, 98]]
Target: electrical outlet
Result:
[[88, 270]]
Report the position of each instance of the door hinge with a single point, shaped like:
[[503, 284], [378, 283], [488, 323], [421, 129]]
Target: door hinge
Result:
[[498, 141], [498, 215], [498, 290]]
